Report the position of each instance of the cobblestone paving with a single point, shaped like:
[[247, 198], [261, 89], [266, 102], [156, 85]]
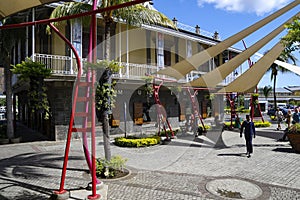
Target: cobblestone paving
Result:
[[178, 171]]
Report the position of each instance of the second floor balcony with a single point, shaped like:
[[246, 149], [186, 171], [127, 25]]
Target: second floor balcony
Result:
[[65, 65]]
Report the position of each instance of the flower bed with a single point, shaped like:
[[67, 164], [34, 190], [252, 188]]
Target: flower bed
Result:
[[257, 124], [134, 141]]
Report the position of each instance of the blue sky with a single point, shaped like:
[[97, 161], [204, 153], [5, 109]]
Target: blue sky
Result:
[[230, 17]]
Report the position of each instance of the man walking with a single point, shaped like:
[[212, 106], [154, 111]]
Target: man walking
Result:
[[249, 133]]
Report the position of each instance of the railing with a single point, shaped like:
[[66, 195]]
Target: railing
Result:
[[136, 71], [63, 65], [193, 30], [58, 64]]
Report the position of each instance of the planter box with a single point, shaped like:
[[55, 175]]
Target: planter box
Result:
[[294, 139], [4, 141], [16, 140]]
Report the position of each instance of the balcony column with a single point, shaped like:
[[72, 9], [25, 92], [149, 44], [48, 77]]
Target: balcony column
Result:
[[33, 35], [127, 54], [120, 48]]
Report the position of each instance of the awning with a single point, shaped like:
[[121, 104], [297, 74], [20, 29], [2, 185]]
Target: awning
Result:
[[247, 82], [216, 76], [10, 7], [180, 69]]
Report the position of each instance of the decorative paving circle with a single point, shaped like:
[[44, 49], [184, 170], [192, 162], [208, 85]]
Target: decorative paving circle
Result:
[[234, 189]]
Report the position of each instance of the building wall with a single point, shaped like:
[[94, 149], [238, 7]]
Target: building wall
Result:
[[140, 44]]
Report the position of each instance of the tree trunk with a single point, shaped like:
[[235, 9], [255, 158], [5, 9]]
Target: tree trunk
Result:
[[274, 91], [9, 100], [106, 136], [105, 122]]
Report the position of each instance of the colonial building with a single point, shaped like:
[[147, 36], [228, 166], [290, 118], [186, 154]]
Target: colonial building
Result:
[[141, 51]]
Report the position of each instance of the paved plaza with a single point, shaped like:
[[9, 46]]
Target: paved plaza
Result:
[[207, 167]]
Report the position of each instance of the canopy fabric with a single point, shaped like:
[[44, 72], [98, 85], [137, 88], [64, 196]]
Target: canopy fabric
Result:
[[290, 67], [247, 82], [212, 78], [10, 7], [180, 69]]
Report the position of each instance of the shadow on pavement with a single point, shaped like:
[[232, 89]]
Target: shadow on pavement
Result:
[[212, 139], [232, 154], [22, 170], [285, 150], [43, 193]]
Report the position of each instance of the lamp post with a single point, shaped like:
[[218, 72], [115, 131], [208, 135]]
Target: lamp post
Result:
[[175, 21], [197, 29]]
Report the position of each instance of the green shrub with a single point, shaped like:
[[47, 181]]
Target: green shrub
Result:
[[207, 127], [164, 133], [257, 124], [260, 124], [295, 128], [106, 169], [134, 141]]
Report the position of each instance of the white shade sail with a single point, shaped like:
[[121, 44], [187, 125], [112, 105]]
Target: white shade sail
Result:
[[180, 69], [247, 82], [212, 78], [293, 68], [10, 7]]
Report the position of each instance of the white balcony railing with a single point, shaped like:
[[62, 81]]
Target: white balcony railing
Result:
[[58, 64], [64, 65]]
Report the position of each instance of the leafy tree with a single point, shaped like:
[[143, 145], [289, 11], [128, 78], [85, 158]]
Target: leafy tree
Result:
[[8, 39], [292, 39], [134, 15], [34, 73]]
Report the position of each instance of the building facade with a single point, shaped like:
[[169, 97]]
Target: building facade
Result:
[[141, 51]]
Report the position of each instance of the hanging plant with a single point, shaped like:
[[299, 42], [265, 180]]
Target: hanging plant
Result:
[[35, 73], [210, 97], [176, 89], [148, 87], [255, 99], [105, 92]]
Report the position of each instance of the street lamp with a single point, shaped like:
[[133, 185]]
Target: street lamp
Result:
[[197, 29], [175, 21]]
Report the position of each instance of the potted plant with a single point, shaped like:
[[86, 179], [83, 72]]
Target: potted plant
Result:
[[294, 136]]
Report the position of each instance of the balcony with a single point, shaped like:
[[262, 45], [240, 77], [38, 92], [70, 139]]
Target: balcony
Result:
[[65, 65]]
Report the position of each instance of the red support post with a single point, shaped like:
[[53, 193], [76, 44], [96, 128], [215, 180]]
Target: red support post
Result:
[[195, 108]]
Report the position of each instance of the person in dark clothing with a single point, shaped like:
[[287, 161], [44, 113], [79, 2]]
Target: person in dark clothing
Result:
[[249, 134]]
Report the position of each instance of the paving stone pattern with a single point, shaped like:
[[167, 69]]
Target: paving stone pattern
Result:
[[181, 170]]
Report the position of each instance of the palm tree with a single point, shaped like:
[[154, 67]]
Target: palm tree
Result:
[[134, 15], [266, 91], [285, 57], [8, 38]]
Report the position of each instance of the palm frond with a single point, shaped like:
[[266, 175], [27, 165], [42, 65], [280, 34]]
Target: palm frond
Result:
[[138, 15], [70, 8]]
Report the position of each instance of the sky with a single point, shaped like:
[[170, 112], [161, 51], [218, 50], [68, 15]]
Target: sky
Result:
[[231, 17]]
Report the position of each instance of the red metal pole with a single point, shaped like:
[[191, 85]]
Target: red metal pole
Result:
[[93, 58], [47, 21], [67, 149]]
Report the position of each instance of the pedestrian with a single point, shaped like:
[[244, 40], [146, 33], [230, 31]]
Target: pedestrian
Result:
[[249, 134], [279, 116], [289, 119], [296, 116]]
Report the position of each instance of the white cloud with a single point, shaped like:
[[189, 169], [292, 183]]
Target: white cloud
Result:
[[250, 6]]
